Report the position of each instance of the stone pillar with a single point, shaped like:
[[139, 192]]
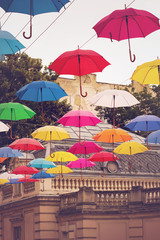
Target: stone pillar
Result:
[[86, 198], [136, 196]]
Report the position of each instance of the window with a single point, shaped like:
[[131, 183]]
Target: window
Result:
[[17, 233]]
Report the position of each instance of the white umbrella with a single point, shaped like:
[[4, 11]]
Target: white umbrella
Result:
[[114, 98], [3, 127], [9, 176]]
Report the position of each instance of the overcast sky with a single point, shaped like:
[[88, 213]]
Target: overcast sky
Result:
[[74, 27]]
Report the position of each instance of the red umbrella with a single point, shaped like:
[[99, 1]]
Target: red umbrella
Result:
[[26, 144], [25, 170], [27, 180], [103, 157], [79, 118], [125, 24], [79, 62]]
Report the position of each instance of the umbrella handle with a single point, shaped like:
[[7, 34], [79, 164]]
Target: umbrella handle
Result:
[[30, 34], [83, 95], [130, 55]]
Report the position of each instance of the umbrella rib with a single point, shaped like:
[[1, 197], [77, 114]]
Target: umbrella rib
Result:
[[138, 25], [123, 18], [9, 46], [152, 67]]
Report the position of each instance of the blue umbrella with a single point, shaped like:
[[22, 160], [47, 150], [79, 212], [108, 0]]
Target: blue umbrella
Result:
[[32, 7], [13, 181], [41, 163], [40, 91], [144, 123], [9, 152], [43, 174], [9, 44], [154, 137]]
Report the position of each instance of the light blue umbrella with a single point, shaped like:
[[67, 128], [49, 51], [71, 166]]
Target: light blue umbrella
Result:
[[9, 152], [41, 163], [154, 137], [41, 91], [9, 44], [32, 7]]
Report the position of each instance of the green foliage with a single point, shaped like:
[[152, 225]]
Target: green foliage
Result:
[[15, 72]]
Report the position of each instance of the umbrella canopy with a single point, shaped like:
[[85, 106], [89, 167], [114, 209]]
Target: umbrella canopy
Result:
[[42, 174], [147, 73], [27, 180], [112, 136], [114, 98], [3, 127], [26, 144], [79, 118], [9, 152], [85, 147], [79, 62], [9, 44], [103, 157], [40, 91], [10, 176], [62, 156], [130, 148], [32, 8], [25, 170], [59, 169], [125, 24], [14, 112], [3, 181], [81, 163], [49, 133], [154, 137], [144, 123], [2, 159], [41, 163]]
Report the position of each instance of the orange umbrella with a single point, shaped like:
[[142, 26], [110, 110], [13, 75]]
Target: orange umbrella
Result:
[[2, 159], [112, 136]]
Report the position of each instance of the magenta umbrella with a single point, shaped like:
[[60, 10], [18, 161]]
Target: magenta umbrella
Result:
[[85, 147], [125, 24], [79, 118], [81, 163]]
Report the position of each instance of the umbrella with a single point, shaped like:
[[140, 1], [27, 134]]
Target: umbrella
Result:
[[3, 127], [49, 133], [41, 163], [8, 43], [40, 91], [9, 152], [103, 157], [14, 112], [85, 147], [3, 181], [114, 98], [130, 148], [42, 174], [147, 73], [79, 118], [2, 159], [27, 180], [59, 170], [61, 156], [125, 24], [10, 176], [144, 123], [112, 136], [25, 170], [80, 163], [32, 8], [154, 137], [26, 144], [79, 62]]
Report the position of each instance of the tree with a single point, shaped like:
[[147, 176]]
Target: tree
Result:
[[15, 72]]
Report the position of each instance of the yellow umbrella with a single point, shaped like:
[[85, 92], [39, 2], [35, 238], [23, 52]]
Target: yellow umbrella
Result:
[[59, 170], [49, 133], [61, 156], [130, 148], [3, 181], [147, 73]]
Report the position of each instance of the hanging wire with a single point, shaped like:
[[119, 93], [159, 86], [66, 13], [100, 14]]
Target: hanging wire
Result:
[[130, 3], [6, 19], [49, 26], [88, 40]]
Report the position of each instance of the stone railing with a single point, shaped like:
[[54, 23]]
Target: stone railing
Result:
[[88, 198]]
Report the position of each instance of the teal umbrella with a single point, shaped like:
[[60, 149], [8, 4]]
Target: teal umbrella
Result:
[[41, 163]]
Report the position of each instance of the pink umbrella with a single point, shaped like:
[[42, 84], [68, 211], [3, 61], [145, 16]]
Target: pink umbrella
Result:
[[25, 170], [80, 163], [125, 24], [85, 147], [79, 118]]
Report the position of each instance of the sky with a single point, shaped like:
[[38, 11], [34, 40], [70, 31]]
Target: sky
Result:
[[73, 27]]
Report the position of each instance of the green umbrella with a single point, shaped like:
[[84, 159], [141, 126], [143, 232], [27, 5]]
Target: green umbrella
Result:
[[14, 112]]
